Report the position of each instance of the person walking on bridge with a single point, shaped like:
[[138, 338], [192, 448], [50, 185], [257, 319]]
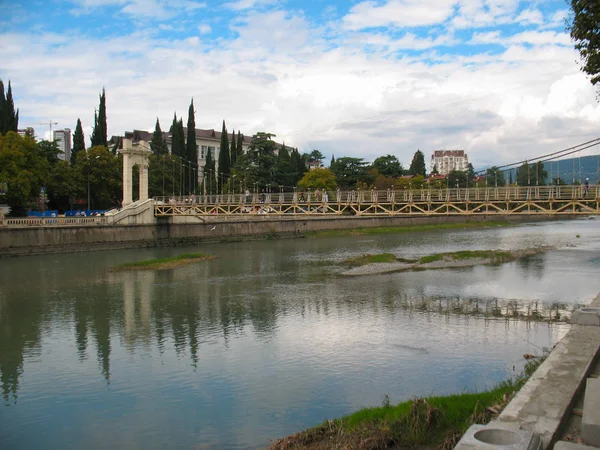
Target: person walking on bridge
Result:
[[586, 187]]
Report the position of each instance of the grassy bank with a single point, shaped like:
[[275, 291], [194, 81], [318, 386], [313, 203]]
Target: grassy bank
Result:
[[164, 263], [407, 229], [494, 256], [370, 259], [433, 422]]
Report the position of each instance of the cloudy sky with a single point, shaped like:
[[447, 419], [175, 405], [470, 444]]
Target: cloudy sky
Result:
[[498, 78]]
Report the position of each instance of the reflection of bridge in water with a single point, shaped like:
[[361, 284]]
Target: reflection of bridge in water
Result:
[[508, 200]]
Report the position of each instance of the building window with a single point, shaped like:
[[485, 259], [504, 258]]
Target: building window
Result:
[[203, 149]]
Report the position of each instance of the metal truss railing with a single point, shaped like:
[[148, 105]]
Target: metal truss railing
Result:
[[508, 200]]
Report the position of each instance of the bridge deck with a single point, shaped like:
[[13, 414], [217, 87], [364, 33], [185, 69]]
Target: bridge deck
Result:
[[512, 200]]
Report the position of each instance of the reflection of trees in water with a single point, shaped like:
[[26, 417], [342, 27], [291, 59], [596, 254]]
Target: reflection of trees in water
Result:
[[19, 333], [532, 266]]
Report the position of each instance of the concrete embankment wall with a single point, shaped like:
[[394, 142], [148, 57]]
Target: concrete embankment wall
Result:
[[57, 239]]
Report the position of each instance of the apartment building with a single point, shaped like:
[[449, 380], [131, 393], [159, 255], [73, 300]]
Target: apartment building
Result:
[[448, 160]]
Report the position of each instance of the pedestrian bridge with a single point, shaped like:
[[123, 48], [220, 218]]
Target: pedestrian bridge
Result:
[[508, 200]]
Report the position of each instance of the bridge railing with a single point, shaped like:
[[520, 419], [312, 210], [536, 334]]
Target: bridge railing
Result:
[[358, 196], [53, 221]]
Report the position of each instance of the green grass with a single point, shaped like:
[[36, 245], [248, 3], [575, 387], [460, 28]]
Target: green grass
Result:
[[168, 262], [430, 422], [406, 229], [494, 255]]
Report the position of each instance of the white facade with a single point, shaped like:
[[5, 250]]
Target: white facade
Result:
[[448, 160], [63, 139]]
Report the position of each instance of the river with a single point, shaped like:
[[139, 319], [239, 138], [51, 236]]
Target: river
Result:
[[268, 338]]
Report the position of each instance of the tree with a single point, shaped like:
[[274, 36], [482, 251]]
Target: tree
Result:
[[532, 174], [332, 160], [61, 186], [99, 169], [49, 151], [417, 165], [470, 174], [100, 132], [233, 151], [258, 167], [177, 137], [23, 171], [78, 141], [163, 175], [494, 177], [191, 146], [388, 166], [209, 184], [9, 119], [585, 31], [434, 171], [224, 160], [286, 173], [319, 178], [158, 145], [316, 156], [350, 171], [240, 144], [457, 178]]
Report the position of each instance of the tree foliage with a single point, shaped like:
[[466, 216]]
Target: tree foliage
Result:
[[209, 183], [100, 131], [495, 177], [224, 160], [458, 178], [585, 31], [319, 178], [532, 174], [78, 141], [9, 119], [351, 171], [177, 138], [158, 144], [388, 166], [191, 146], [417, 165]]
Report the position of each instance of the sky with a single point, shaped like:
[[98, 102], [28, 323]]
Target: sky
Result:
[[497, 78]]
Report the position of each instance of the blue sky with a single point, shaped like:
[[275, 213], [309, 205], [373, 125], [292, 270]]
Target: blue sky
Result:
[[498, 78]]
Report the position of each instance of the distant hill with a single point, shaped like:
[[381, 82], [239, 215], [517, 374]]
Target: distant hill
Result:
[[569, 170]]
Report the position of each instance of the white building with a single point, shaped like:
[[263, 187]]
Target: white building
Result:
[[448, 160], [63, 139]]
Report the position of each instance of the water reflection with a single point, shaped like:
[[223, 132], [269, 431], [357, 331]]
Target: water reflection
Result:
[[267, 339]]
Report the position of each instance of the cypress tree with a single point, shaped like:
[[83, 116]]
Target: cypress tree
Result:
[[100, 132], [208, 179], [224, 159], [2, 109], [78, 141], [191, 146], [233, 152], [9, 119], [95, 137], [240, 144], [158, 144], [181, 138], [332, 160], [177, 145]]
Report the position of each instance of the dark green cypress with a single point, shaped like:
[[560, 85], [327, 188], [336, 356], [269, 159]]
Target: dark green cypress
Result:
[[191, 146], [78, 141], [233, 152], [2, 109], [158, 144], [224, 159], [240, 144], [100, 132]]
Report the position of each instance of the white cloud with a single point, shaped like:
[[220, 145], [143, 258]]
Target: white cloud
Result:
[[400, 13], [240, 5], [204, 28], [318, 86], [156, 9]]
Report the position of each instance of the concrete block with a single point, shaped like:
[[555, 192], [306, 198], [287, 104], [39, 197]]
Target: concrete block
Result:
[[586, 316], [564, 445], [494, 437], [590, 421]]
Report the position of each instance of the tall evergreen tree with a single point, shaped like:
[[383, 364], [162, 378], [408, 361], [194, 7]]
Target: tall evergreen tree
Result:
[[417, 166], [191, 146], [9, 119], [100, 133], [177, 137], [332, 160], [224, 159], [233, 151], [208, 180], [240, 144], [158, 144], [2, 109], [78, 141]]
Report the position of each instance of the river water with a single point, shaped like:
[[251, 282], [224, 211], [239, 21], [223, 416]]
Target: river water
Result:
[[269, 338]]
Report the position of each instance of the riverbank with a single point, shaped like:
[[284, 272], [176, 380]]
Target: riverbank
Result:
[[427, 423], [36, 240]]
